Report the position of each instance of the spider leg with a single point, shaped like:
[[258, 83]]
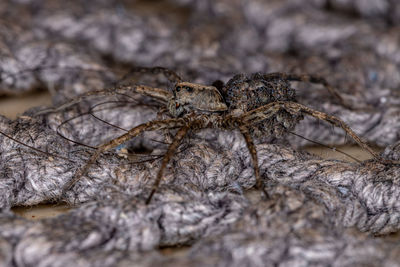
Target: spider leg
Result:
[[156, 93], [267, 111], [253, 152], [161, 114], [259, 114], [311, 79], [149, 126], [34, 148], [334, 121], [171, 149], [169, 74]]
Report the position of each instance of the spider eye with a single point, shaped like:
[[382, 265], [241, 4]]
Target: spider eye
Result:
[[189, 89], [178, 88]]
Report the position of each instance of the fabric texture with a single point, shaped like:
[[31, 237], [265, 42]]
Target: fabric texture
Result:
[[320, 212]]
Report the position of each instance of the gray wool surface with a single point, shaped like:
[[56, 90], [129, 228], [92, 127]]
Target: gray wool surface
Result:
[[320, 212]]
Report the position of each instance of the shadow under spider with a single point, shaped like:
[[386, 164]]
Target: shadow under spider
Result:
[[256, 105]]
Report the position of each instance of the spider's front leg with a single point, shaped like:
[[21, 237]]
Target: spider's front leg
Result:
[[157, 93], [149, 126]]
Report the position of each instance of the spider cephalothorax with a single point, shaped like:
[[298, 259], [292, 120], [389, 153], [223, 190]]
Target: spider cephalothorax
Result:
[[195, 98]]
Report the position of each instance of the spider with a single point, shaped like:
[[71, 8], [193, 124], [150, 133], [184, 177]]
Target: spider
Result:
[[257, 105]]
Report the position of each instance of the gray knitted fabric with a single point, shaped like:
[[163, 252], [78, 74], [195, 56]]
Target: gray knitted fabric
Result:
[[320, 212]]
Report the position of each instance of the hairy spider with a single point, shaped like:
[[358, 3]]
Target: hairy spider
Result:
[[256, 105]]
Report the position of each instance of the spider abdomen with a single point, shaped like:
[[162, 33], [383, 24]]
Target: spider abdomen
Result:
[[245, 93]]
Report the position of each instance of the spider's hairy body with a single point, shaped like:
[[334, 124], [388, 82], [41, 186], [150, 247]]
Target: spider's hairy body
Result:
[[256, 105], [245, 93]]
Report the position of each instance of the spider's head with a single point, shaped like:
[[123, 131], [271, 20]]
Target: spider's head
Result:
[[192, 97]]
